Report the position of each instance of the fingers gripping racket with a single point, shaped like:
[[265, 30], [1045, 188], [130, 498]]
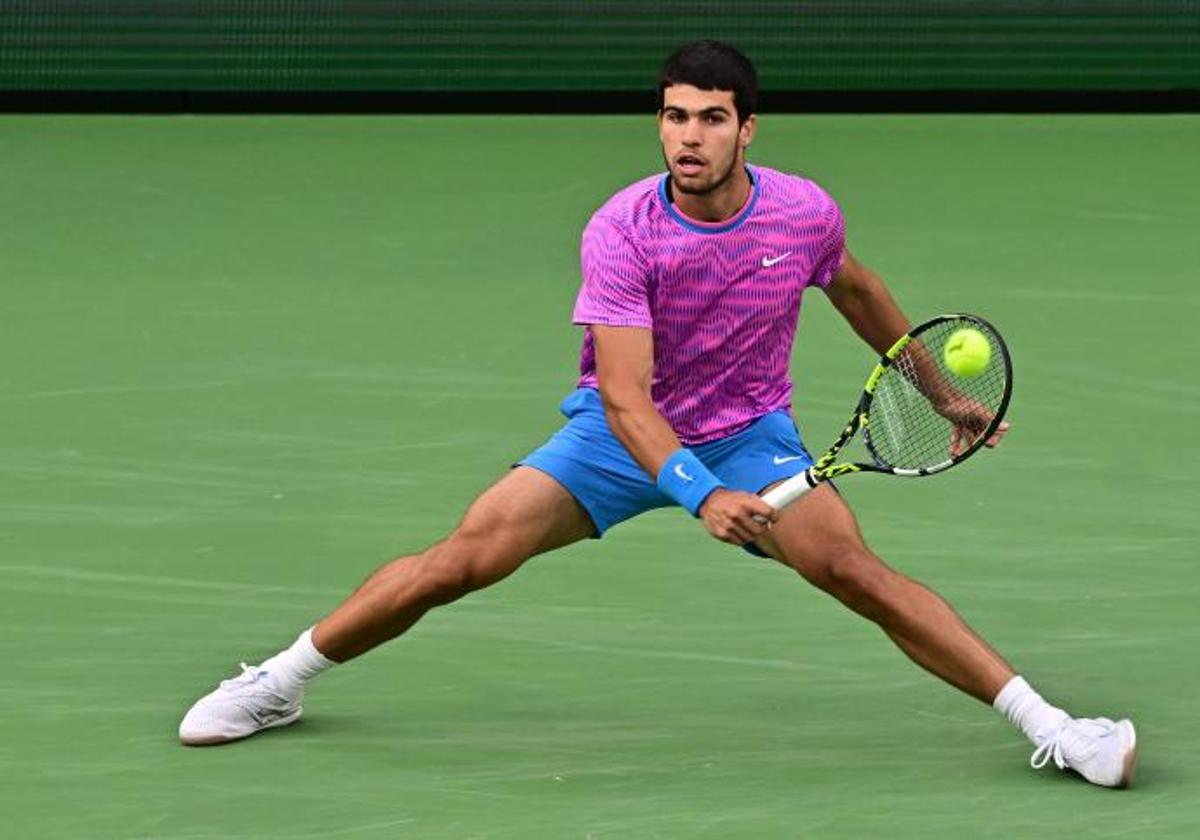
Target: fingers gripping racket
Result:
[[917, 416]]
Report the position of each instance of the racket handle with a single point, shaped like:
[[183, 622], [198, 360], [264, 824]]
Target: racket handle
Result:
[[790, 490]]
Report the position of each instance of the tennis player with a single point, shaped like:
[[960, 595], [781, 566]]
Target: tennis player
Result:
[[692, 283]]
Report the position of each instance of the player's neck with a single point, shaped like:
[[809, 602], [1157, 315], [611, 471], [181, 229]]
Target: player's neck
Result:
[[719, 205]]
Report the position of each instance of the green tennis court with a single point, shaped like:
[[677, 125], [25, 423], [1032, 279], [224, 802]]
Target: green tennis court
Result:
[[246, 360]]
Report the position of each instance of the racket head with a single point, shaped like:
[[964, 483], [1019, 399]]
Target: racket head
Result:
[[922, 417]]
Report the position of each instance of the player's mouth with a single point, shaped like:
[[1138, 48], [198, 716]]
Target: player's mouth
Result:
[[689, 164]]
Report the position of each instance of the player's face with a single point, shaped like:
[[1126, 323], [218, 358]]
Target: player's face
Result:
[[703, 145]]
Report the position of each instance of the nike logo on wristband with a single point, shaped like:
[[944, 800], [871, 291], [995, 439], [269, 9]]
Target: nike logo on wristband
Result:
[[679, 472]]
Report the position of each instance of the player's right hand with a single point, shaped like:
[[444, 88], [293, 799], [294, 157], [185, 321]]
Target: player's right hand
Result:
[[736, 517]]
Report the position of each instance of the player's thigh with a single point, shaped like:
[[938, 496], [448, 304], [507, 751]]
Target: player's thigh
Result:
[[523, 514], [818, 536]]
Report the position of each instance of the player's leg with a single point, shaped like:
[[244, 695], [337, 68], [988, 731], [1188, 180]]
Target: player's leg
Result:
[[819, 538], [526, 513]]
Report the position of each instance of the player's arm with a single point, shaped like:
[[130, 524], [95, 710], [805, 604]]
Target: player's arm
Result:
[[625, 370], [865, 302]]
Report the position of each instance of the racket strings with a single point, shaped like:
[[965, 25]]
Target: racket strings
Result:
[[923, 415]]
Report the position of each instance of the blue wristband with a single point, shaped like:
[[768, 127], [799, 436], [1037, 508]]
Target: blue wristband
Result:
[[687, 481]]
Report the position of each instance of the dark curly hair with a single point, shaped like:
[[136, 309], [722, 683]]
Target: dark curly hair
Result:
[[712, 65]]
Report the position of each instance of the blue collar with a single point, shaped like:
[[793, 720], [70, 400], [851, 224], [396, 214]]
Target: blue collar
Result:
[[735, 222]]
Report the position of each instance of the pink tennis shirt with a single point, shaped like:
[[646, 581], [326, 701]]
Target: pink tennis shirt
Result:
[[722, 300]]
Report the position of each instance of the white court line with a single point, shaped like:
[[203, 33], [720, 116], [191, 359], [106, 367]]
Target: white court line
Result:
[[116, 389], [245, 587], [687, 656], [1093, 295]]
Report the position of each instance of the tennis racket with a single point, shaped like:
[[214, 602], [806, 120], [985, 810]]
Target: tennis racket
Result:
[[917, 417]]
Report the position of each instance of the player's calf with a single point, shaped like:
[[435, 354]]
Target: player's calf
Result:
[[526, 513]]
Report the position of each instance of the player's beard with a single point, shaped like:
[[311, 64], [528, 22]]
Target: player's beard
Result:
[[705, 188]]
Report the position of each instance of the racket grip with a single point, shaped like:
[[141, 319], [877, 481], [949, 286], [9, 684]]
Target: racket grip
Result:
[[791, 490]]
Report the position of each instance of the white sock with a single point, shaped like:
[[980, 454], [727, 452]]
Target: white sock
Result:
[[1026, 709], [293, 667]]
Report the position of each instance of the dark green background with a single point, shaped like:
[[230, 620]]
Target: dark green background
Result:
[[246, 360], [613, 45]]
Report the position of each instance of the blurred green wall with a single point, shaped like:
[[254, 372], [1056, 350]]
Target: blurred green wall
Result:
[[614, 45]]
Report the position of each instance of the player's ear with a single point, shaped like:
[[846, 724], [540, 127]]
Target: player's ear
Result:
[[746, 131]]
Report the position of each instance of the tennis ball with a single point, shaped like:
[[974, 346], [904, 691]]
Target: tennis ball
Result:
[[967, 352]]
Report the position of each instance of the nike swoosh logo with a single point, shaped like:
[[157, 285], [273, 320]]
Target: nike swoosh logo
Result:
[[767, 262], [779, 460], [679, 472]]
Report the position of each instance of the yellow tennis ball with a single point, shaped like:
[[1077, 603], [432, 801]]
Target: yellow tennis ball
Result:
[[967, 352]]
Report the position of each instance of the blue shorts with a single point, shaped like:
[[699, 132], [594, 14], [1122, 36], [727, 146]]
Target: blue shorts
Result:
[[585, 457]]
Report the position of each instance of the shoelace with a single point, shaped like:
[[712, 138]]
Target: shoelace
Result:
[[1050, 748], [250, 674], [1065, 741]]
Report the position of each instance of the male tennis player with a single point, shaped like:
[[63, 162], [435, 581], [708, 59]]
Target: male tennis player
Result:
[[691, 293]]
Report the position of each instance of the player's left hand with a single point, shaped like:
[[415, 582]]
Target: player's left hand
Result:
[[970, 418]]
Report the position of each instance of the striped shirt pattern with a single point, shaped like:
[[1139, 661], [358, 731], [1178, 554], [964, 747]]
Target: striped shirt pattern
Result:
[[722, 300]]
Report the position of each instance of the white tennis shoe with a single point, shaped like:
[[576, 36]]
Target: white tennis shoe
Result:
[[1101, 751], [238, 708]]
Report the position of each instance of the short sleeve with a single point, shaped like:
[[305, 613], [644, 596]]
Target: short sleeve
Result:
[[832, 247], [615, 290]]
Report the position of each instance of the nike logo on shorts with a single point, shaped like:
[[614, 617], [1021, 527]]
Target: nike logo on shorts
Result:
[[779, 460]]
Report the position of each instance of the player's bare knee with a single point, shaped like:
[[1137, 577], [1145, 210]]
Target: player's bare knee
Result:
[[468, 560], [859, 580], [445, 572], [443, 575]]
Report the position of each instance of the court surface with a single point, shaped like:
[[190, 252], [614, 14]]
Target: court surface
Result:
[[247, 360]]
